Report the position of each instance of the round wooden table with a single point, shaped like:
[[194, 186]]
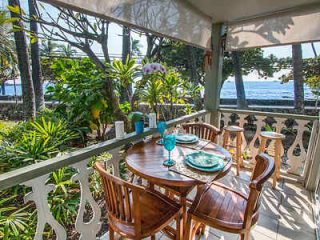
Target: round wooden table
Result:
[[145, 159]]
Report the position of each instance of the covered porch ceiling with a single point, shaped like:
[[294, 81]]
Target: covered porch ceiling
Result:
[[237, 10], [250, 23]]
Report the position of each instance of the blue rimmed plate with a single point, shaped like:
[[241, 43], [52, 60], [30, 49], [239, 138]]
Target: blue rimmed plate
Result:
[[204, 162], [186, 138]]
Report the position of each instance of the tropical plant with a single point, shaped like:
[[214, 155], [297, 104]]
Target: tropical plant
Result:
[[13, 221], [8, 58], [48, 48], [152, 93], [79, 89], [65, 198], [124, 74], [18, 27], [35, 141], [135, 47], [135, 116], [67, 50]]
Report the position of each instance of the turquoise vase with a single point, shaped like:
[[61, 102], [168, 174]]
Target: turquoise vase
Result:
[[139, 126]]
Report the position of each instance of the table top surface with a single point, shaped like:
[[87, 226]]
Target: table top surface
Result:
[[145, 159]]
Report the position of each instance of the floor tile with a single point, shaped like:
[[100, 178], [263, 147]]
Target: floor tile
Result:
[[297, 216], [286, 232], [267, 226], [255, 235], [223, 235]]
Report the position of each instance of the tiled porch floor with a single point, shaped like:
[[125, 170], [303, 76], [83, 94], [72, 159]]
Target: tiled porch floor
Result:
[[285, 212]]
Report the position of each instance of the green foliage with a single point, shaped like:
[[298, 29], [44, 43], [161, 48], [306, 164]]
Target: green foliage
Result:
[[251, 60], [64, 200], [135, 116], [34, 141], [311, 69], [79, 89], [5, 128], [125, 107], [269, 128], [186, 59], [14, 222], [162, 90], [123, 74], [8, 58]]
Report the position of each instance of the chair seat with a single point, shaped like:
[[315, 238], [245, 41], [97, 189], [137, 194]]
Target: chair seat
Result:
[[222, 207], [156, 211]]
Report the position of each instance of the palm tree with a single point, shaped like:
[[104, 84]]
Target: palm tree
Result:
[[8, 57], [297, 64], [67, 50], [124, 74], [23, 61], [241, 94], [48, 48], [135, 47], [35, 57]]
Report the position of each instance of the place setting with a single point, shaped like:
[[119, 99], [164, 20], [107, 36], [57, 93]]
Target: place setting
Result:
[[199, 164]]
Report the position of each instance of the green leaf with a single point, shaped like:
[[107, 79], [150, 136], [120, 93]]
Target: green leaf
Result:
[[15, 9]]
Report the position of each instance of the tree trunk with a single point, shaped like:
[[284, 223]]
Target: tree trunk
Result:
[[314, 50], [241, 94], [28, 97], [3, 88], [298, 77], [126, 92], [192, 66], [35, 59]]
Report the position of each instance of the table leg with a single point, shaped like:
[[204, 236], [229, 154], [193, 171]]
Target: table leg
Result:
[[183, 202]]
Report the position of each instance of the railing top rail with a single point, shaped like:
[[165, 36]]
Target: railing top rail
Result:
[[24, 174], [269, 114]]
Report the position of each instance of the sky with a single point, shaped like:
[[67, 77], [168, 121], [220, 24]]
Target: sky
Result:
[[115, 44]]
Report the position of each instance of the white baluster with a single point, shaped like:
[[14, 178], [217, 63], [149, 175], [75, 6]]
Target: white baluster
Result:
[[297, 162], [254, 150], [114, 161], [311, 148], [39, 195], [88, 230]]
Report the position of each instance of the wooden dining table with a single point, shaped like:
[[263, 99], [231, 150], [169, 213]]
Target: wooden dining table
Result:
[[145, 159]]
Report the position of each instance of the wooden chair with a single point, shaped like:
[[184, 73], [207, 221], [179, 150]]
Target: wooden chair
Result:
[[202, 130], [223, 208], [135, 212]]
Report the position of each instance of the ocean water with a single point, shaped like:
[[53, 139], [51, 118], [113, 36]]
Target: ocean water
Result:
[[263, 89], [254, 90]]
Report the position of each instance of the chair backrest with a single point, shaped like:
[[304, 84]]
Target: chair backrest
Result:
[[122, 199], [263, 169], [202, 130]]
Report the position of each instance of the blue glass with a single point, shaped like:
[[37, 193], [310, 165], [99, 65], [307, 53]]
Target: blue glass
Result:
[[161, 127], [169, 143]]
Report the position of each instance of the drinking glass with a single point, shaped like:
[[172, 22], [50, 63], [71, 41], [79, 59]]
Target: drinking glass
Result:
[[161, 127], [169, 143]]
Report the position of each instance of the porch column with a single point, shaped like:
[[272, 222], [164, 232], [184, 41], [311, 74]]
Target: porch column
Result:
[[213, 78]]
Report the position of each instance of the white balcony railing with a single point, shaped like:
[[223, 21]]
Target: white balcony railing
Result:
[[300, 131], [36, 176]]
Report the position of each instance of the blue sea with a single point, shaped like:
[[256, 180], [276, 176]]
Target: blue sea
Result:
[[260, 89]]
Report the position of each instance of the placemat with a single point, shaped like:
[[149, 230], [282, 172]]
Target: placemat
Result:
[[181, 168], [196, 146]]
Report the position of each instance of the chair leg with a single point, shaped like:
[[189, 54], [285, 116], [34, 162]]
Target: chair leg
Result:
[[179, 232], [111, 233], [188, 228], [245, 236]]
